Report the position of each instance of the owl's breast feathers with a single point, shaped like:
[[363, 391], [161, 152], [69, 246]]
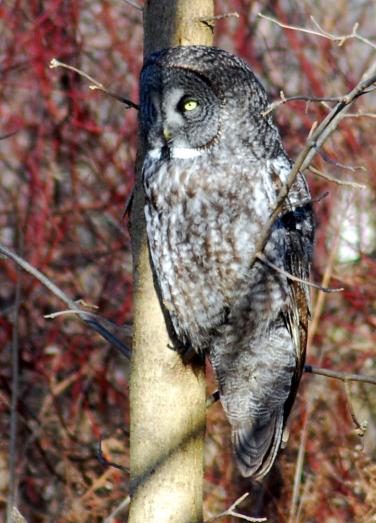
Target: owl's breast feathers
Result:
[[204, 217], [201, 228]]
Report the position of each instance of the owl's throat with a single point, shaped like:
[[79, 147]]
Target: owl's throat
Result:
[[165, 152], [169, 151]]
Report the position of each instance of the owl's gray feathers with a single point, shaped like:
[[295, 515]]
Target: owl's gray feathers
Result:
[[213, 168], [237, 92]]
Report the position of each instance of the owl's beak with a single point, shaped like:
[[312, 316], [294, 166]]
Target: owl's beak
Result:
[[166, 134]]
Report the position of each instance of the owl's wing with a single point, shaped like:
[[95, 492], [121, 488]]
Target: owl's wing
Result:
[[257, 439], [299, 245]]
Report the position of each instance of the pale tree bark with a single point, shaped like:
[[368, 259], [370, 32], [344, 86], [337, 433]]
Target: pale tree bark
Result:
[[167, 396]]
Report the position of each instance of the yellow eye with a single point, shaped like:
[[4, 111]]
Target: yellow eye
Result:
[[189, 105]]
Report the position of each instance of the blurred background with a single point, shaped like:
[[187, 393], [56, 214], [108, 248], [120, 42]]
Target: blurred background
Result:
[[67, 159]]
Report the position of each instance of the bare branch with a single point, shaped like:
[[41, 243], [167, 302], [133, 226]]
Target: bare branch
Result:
[[124, 504], [360, 427], [345, 183], [8, 135], [104, 327], [319, 136], [312, 369], [209, 19], [324, 100], [305, 98], [84, 303], [352, 168], [231, 512], [133, 4], [312, 200], [95, 85], [300, 462], [360, 115], [289, 276], [13, 483], [128, 204], [341, 39], [104, 461], [54, 315], [213, 398], [84, 315], [339, 375]]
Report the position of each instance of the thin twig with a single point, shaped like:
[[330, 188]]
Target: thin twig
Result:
[[319, 136], [346, 378], [8, 135], [231, 512], [319, 303], [289, 276], [84, 315], [103, 326], [360, 427], [124, 504], [318, 99], [352, 168], [213, 398], [133, 4], [234, 14], [65, 312], [360, 115], [106, 462], [341, 39], [84, 303], [312, 369], [300, 463], [306, 201], [95, 85], [12, 494], [305, 98], [339, 375], [345, 183], [317, 311], [128, 204]]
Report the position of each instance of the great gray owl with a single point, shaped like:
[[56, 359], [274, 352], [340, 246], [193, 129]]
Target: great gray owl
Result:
[[213, 168]]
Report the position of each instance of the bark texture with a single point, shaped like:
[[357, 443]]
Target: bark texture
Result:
[[167, 396]]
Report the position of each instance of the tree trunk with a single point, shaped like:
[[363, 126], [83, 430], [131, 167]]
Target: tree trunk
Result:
[[167, 396]]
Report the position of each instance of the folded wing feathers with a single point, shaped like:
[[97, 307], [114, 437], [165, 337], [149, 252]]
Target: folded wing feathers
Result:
[[256, 445]]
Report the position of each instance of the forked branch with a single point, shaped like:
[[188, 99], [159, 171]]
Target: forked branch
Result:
[[95, 85], [329, 178], [313, 145], [339, 375], [90, 319], [231, 512], [339, 39]]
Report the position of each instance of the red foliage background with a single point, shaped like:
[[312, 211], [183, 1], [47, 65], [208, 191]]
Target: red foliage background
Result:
[[66, 172]]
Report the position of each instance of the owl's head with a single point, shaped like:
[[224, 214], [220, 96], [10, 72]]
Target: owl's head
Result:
[[194, 98]]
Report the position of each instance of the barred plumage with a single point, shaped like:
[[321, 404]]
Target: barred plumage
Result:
[[213, 168]]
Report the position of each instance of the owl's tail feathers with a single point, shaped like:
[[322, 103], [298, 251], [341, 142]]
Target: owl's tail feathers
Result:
[[256, 445]]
